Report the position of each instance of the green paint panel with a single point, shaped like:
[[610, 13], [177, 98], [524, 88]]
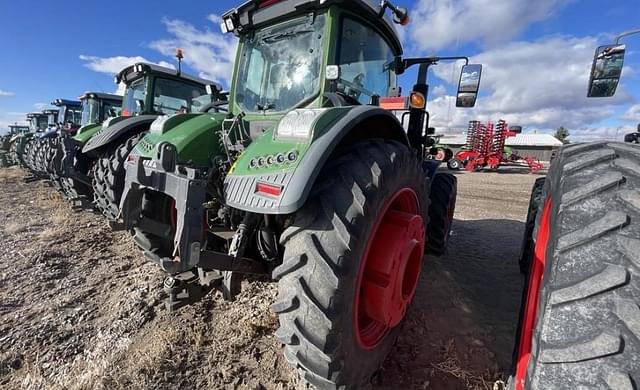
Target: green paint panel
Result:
[[267, 146], [196, 138], [86, 132]]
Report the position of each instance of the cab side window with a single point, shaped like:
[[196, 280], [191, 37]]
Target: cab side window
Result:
[[362, 56]]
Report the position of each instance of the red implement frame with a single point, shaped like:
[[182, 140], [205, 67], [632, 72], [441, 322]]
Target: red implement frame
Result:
[[485, 148]]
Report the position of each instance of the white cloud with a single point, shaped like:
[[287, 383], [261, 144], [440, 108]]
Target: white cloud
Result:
[[633, 113], [113, 65], [451, 22], [540, 84], [210, 53], [6, 93]]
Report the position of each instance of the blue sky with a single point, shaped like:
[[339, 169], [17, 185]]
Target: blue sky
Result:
[[536, 54]]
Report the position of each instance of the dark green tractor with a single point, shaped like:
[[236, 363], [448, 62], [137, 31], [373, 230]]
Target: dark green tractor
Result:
[[73, 167], [28, 145], [306, 178], [151, 91], [69, 113], [8, 144]]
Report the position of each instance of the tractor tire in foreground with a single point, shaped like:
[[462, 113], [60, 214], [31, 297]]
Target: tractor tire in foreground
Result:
[[580, 322], [443, 204], [526, 252], [352, 261], [108, 177]]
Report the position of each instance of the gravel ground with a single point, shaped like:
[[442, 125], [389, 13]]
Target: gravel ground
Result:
[[80, 308]]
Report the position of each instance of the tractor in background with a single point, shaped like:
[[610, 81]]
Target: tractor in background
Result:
[[73, 168], [306, 178], [633, 138], [438, 151], [8, 145], [151, 91]]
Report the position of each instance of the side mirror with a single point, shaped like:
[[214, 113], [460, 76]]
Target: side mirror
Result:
[[469, 85], [606, 70]]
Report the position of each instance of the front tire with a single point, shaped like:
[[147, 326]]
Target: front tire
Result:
[[580, 318], [337, 321]]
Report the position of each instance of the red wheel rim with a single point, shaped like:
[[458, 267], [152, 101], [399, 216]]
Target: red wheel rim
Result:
[[389, 269], [536, 273], [440, 156]]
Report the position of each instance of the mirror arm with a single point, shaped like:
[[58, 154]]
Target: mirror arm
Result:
[[626, 33]]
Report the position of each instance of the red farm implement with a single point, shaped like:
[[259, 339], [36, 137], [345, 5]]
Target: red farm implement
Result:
[[485, 148]]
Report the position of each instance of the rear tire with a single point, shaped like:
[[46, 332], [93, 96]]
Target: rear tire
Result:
[[108, 177], [443, 204], [325, 249], [586, 332]]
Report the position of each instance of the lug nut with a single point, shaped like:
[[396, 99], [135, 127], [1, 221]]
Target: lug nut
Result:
[[292, 156]]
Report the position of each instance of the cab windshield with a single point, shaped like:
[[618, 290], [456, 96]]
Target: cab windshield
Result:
[[90, 111], [280, 66], [69, 115], [134, 97], [172, 96], [41, 122]]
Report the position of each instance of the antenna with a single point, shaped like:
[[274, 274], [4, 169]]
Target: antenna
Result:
[[179, 56]]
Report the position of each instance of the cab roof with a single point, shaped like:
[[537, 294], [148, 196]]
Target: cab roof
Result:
[[137, 70], [100, 96], [65, 102], [256, 13], [35, 114]]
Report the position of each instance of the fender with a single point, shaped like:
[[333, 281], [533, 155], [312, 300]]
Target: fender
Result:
[[296, 178], [115, 131]]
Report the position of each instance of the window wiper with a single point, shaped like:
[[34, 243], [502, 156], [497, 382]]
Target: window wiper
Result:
[[280, 36]]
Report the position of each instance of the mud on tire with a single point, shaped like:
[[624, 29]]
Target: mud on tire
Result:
[[324, 249], [587, 331], [108, 177]]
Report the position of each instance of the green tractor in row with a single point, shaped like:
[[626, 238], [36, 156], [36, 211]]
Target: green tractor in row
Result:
[[93, 161], [306, 178], [71, 172], [40, 123], [8, 144]]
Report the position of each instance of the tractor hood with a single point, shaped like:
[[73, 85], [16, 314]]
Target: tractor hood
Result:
[[193, 135]]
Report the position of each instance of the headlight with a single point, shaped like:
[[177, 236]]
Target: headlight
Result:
[[158, 124], [298, 123]]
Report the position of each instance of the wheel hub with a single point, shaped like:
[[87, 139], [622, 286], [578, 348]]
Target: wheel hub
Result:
[[390, 270]]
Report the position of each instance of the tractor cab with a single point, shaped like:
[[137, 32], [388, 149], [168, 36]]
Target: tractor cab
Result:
[[18, 129], [156, 90], [38, 121], [69, 114], [98, 106], [295, 55]]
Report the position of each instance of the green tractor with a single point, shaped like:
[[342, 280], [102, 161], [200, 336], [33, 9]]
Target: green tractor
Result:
[[71, 167], [439, 151], [69, 114], [27, 146], [305, 178], [8, 144], [151, 91]]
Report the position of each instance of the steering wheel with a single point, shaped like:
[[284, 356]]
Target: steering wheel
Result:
[[215, 106]]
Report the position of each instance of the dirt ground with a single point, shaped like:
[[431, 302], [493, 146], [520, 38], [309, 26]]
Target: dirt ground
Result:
[[80, 308]]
